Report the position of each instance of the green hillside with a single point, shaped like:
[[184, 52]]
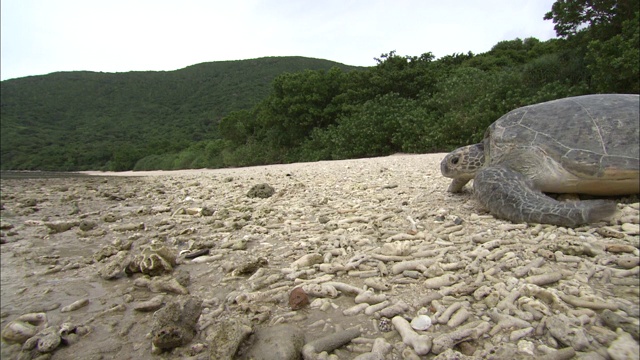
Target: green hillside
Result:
[[87, 120]]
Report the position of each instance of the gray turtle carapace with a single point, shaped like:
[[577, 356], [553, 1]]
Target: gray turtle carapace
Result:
[[579, 145]]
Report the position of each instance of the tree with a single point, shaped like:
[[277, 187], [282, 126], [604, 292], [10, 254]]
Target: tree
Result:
[[299, 103], [237, 126], [615, 63], [125, 156], [603, 18], [403, 75]]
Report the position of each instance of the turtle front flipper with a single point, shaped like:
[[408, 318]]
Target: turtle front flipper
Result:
[[457, 185], [507, 194]]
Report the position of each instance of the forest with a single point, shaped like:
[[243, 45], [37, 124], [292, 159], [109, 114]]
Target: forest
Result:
[[260, 114], [108, 121]]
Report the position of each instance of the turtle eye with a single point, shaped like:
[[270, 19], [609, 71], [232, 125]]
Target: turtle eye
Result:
[[454, 160]]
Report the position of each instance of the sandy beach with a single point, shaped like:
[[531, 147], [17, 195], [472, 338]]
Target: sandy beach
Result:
[[352, 259]]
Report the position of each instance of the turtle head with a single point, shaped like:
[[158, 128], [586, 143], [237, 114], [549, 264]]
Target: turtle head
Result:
[[462, 165]]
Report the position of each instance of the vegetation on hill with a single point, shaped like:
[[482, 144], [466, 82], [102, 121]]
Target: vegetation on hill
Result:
[[87, 120], [403, 104]]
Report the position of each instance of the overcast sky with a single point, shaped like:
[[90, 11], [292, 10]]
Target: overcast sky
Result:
[[44, 36]]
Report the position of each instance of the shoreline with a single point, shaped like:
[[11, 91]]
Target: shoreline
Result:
[[204, 171]]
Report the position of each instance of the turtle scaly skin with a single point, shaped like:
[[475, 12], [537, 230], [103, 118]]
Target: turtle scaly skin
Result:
[[509, 195]]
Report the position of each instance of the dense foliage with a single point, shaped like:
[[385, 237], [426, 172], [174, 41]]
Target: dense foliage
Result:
[[403, 104], [87, 120]]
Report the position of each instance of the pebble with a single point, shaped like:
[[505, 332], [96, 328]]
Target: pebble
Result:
[[631, 229], [279, 342], [175, 324], [227, 337], [624, 347], [48, 340], [114, 266], [18, 331], [61, 225], [421, 322], [298, 299], [75, 305], [152, 304], [628, 262], [262, 191]]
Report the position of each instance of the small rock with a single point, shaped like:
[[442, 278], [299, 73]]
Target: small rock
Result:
[[48, 340], [86, 225], [198, 348], [385, 325], [561, 328], [619, 248], [110, 218], [29, 203], [105, 252], [262, 191], [128, 227], [24, 327], [69, 333], [207, 211], [75, 305], [526, 347], [165, 284], [194, 254], [614, 321], [298, 299], [307, 260], [632, 229], [227, 338], [175, 324], [18, 331], [183, 277], [279, 342], [611, 233], [60, 226], [628, 261], [624, 347], [152, 304], [153, 260], [115, 266], [160, 209], [249, 267], [421, 322], [451, 354]]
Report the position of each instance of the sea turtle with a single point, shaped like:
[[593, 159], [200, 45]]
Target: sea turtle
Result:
[[580, 145]]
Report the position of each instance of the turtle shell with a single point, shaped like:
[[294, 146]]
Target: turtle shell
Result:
[[591, 138]]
